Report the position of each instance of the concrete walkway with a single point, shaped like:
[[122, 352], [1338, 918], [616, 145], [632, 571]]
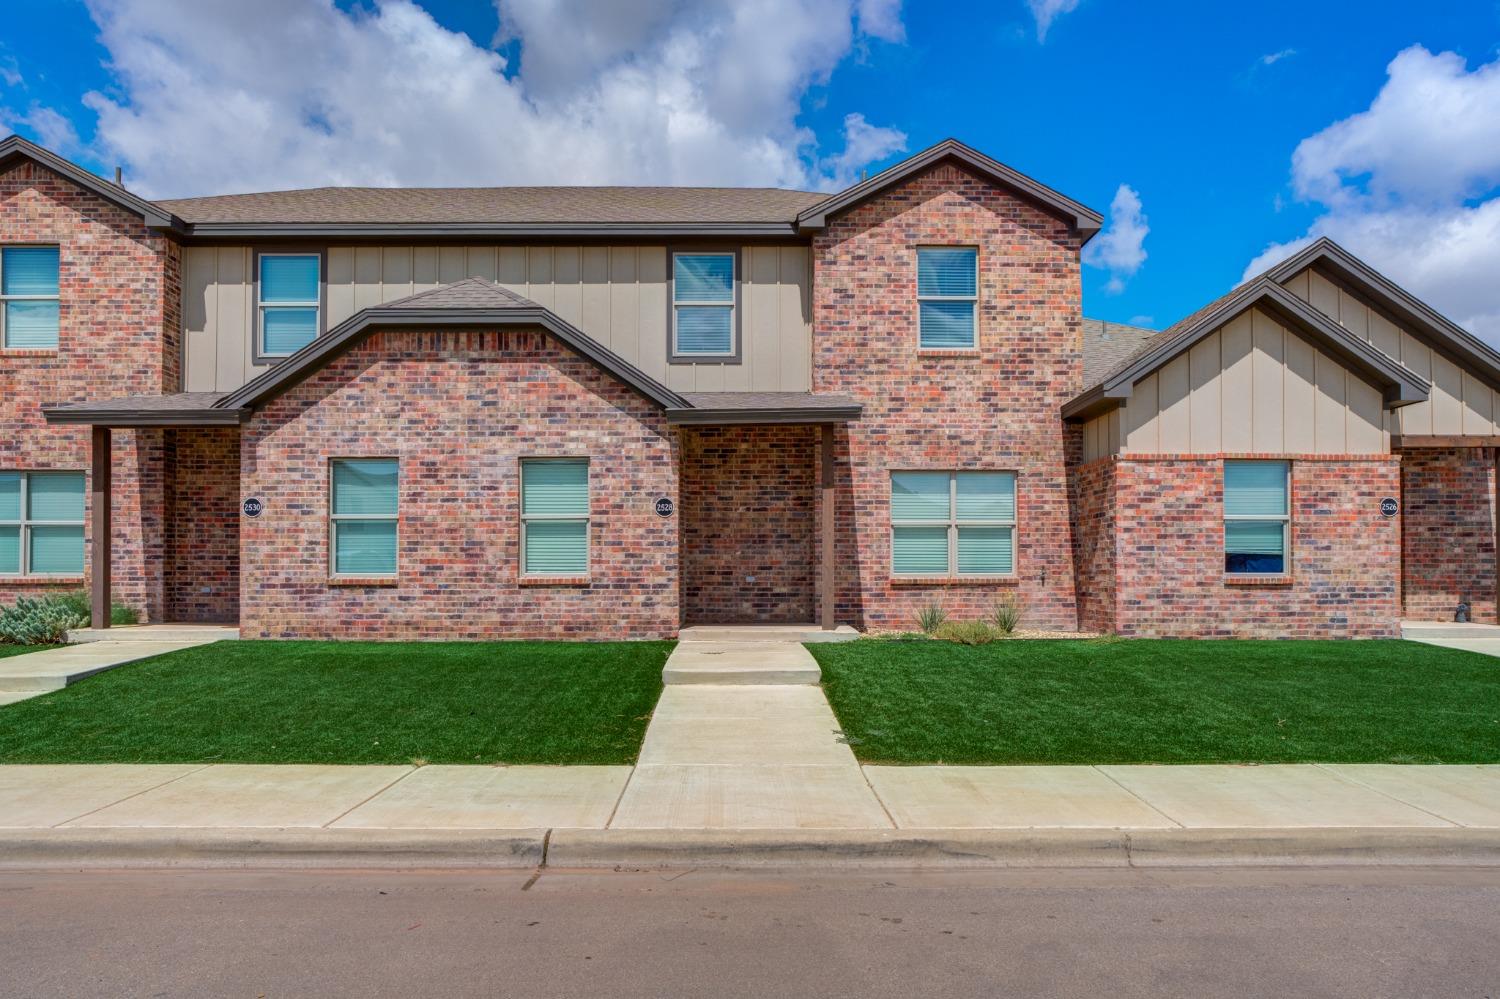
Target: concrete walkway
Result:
[[1481, 638], [32, 674]]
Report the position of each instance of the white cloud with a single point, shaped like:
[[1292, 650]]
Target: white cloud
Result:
[[1121, 247], [1047, 11], [863, 143], [1410, 185], [293, 93], [1272, 58], [881, 19]]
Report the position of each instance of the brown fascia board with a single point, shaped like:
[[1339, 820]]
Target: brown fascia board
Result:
[[1085, 220], [1401, 386], [1408, 310], [604, 231], [133, 418], [14, 147], [354, 329], [783, 414]]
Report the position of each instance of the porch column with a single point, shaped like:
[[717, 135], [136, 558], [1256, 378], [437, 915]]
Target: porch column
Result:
[[825, 591], [99, 562]]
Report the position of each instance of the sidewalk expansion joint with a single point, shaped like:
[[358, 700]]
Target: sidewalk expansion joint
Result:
[[370, 798], [137, 794]]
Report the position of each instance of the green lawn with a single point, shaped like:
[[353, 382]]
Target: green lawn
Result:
[[1117, 701], [21, 650], [351, 702]]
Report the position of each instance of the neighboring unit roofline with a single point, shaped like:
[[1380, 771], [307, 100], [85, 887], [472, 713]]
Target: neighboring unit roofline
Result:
[[1401, 386], [14, 147], [1392, 298], [1084, 220], [352, 330]]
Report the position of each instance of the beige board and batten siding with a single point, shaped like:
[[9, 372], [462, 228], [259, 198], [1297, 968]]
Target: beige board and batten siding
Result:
[[1459, 403], [1251, 386], [615, 294]]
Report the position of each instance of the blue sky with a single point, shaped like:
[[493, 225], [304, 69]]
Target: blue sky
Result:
[[1199, 109]]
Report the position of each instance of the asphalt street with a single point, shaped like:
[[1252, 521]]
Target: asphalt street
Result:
[[1200, 933]]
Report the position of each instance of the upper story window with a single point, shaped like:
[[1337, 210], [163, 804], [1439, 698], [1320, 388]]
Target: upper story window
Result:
[[41, 523], [28, 297], [953, 523], [364, 511], [703, 319], [947, 296], [1257, 517], [289, 302]]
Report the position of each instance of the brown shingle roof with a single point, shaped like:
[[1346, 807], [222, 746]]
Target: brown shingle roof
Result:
[[470, 293], [499, 205], [1107, 344]]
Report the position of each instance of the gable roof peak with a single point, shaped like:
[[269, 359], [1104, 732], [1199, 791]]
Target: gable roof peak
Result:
[[14, 148], [1084, 220]]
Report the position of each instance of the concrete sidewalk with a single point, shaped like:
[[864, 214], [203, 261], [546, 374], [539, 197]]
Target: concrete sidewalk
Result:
[[32, 674]]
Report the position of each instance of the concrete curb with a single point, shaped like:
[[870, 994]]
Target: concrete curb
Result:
[[270, 848], [29, 849], [956, 848]]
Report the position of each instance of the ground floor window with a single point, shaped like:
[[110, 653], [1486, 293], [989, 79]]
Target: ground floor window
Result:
[[1257, 517], [41, 523], [364, 517], [555, 517], [953, 523]]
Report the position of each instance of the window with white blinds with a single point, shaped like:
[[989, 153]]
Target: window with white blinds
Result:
[[364, 517], [41, 523], [554, 517], [947, 296], [29, 297], [1257, 517], [703, 305], [953, 523]]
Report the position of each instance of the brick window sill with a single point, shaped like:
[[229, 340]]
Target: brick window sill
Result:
[[1238, 580], [954, 580], [937, 352], [364, 581], [554, 581], [44, 580], [9, 352]]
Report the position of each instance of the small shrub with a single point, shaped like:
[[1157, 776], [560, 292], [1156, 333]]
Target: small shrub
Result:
[[80, 603], [968, 632], [931, 618], [37, 621], [1007, 613]]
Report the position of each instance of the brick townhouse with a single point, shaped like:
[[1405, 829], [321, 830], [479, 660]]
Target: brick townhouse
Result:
[[611, 412]]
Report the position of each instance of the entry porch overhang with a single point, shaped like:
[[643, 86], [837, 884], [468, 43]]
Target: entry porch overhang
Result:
[[728, 408]]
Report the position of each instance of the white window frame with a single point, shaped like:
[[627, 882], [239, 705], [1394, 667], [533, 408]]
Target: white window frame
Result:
[[335, 518], [5, 299], [25, 523], [261, 305], [1285, 518], [734, 284], [973, 299], [953, 523], [587, 516]]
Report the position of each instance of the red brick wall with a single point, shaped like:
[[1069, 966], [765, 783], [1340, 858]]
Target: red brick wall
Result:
[[1345, 580], [1448, 509], [1092, 501], [118, 336], [202, 570], [996, 408], [747, 524], [460, 410]]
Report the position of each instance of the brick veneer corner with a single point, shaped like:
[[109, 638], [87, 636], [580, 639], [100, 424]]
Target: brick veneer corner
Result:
[[996, 409]]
